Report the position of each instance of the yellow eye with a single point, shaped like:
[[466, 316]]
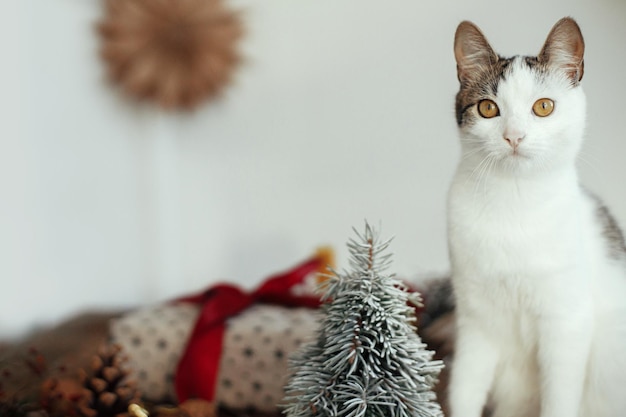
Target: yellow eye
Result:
[[488, 109], [543, 107]]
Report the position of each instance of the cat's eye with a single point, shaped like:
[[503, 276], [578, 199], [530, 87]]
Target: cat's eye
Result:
[[488, 109], [543, 107]]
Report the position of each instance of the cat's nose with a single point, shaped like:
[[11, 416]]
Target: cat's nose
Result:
[[514, 140]]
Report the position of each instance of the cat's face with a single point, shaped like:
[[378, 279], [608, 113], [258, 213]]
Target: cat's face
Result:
[[521, 115]]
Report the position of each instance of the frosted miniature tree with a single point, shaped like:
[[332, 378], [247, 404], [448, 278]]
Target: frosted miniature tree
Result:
[[367, 359]]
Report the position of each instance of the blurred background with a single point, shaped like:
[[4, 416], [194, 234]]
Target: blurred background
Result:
[[342, 111]]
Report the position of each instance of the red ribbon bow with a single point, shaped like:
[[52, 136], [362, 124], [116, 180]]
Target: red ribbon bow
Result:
[[197, 371]]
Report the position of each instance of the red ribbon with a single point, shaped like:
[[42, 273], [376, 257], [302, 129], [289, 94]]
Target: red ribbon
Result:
[[197, 371]]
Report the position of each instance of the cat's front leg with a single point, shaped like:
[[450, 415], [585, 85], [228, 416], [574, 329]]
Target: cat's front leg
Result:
[[564, 345], [475, 360]]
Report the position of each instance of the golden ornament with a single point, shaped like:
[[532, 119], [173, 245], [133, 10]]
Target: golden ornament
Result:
[[135, 410]]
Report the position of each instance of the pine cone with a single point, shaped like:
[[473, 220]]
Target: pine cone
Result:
[[108, 392]]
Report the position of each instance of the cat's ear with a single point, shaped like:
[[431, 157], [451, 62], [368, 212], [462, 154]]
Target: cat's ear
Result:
[[472, 52], [564, 49]]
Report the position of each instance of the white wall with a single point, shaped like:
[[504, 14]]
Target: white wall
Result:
[[343, 111]]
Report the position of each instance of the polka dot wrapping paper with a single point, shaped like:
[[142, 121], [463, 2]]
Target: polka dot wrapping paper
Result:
[[224, 345], [154, 339], [253, 368], [256, 347]]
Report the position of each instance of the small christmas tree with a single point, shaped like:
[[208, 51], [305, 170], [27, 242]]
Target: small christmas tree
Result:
[[367, 359]]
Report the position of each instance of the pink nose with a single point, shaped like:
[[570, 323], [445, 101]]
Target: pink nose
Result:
[[513, 140]]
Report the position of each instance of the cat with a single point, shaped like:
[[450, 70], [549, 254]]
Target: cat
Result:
[[538, 263]]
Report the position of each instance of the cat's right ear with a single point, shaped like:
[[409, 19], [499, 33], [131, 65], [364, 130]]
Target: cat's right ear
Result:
[[472, 52], [564, 49]]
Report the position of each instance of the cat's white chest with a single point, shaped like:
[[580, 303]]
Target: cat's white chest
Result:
[[513, 256], [510, 247]]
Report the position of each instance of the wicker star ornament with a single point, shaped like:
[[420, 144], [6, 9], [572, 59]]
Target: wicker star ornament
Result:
[[177, 53]]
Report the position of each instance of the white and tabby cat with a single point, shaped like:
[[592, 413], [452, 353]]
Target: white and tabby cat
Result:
[[538, 264]]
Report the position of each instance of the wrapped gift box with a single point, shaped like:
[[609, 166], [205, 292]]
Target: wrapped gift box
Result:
[[253, 364], [224, 345]]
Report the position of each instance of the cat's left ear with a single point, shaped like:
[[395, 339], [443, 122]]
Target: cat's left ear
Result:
[[564, 48]]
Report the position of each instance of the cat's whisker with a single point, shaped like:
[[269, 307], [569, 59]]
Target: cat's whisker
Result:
[[471, 153], [484, 169], [585, 158], [476, 169], [588, 163]]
